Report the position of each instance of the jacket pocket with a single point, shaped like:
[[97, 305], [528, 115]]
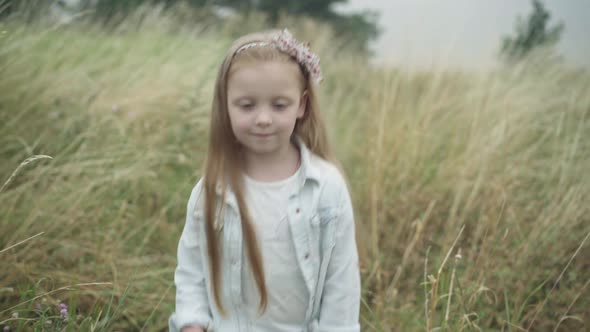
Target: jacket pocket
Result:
[[326, 220], [322, 233], [218, 225]]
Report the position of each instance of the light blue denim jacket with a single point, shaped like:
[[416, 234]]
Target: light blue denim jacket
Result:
[[322, 226]]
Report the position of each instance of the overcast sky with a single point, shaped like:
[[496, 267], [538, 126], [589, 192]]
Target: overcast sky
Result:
[[467, 32]]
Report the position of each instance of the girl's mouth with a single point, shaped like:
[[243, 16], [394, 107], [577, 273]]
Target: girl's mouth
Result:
[[263, 135]]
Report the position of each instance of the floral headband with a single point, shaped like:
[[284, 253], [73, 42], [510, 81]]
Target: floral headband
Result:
[[286, 43]]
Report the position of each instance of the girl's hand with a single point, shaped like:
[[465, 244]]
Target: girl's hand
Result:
[[192, 329]]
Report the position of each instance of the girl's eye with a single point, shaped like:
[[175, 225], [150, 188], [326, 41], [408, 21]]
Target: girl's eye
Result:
[[247, 107], [280, 107]]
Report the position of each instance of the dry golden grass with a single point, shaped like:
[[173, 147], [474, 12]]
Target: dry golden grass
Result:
[[470, 189]]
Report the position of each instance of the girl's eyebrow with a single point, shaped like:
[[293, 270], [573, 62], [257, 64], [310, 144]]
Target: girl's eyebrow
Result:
[[247, 98], [241, 98], [283, 98]]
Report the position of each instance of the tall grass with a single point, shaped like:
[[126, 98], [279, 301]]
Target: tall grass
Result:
[[470, 189]]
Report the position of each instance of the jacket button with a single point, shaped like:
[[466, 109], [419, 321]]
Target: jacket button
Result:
[[297, 211], [306, 255]]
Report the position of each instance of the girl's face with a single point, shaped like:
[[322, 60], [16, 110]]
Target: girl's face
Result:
[[265, 99]]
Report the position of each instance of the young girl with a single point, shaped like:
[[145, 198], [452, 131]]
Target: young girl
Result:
[[269, 240]]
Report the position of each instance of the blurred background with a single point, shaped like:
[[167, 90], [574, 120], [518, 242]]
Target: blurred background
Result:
[[460, 33], [463, 128], [466, 33]]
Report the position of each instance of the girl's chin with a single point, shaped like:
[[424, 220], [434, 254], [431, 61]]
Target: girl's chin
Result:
[[262, 147]]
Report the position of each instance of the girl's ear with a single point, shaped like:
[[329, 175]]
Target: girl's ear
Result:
[[302, 105]]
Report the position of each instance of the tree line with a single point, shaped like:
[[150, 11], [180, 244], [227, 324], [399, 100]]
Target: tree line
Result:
[[359, 28]]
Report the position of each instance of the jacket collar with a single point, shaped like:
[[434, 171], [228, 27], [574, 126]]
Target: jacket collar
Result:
[[308, 171]]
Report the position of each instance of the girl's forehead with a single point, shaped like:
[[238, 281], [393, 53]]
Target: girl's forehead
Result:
[[270, 76]]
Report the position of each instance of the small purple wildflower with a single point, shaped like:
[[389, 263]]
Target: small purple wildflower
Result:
[[6, 328], [63, 312]]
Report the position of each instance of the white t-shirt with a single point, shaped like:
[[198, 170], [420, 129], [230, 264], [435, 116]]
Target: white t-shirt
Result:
[[287, 294]]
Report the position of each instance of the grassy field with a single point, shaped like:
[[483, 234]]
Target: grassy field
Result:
[[471, 190]]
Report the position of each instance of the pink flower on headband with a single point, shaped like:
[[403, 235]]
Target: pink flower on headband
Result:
[[286, 43]]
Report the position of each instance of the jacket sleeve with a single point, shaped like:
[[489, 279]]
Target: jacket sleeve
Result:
[[339, 309], [192, 303]]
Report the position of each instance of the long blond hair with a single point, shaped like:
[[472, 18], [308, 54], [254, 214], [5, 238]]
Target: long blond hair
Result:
[[223, 164]]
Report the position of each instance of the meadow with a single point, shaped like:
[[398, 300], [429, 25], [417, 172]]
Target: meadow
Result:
[[471, 189]]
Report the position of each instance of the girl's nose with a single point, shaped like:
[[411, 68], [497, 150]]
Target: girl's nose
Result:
[[263, 118]]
